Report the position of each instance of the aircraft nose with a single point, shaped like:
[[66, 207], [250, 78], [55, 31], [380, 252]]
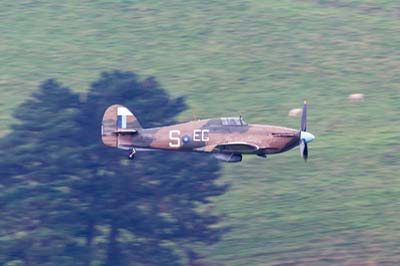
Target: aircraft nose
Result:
[[306, 136]]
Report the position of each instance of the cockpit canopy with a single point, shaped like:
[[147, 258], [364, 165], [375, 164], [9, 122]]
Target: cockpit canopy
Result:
[[233, 121]]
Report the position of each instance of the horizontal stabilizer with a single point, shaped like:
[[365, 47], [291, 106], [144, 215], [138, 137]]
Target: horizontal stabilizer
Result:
[[125, 131]]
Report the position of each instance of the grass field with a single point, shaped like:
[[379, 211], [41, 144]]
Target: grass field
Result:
[[258, 59]]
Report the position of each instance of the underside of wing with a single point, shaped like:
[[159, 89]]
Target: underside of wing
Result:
[[236, 147]]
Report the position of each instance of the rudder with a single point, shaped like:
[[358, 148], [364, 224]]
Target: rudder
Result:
[[118, 126]]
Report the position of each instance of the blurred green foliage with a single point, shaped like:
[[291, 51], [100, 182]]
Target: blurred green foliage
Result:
[[259, 59], [66, 199]]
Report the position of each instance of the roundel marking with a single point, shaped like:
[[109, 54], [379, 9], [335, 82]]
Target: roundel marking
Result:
[[186, 139]]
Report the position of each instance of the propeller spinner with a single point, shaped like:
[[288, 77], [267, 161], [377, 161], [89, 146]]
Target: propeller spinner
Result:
[[305, 137]]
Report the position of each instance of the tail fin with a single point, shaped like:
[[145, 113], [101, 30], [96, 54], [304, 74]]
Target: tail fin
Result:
[[118, 126]]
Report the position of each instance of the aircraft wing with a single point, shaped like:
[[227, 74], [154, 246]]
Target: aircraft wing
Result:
[[236, 147]]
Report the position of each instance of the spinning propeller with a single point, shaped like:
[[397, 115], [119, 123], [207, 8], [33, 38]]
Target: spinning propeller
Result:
[[305, 137]]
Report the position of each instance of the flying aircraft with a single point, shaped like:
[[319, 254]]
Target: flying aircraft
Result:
[[227, 138]]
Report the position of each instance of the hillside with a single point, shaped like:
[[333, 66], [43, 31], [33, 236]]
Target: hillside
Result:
[[258, 59]]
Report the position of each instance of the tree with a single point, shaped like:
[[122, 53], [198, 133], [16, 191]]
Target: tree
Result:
[[144, 212], [33, 179]]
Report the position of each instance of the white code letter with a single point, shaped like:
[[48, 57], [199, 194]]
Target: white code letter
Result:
[[204, 135], [196, 135], [175, 141]]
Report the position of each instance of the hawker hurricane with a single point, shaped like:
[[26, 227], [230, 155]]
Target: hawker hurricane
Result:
[[227, 138]]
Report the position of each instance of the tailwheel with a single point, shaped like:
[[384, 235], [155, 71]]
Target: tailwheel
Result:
[[131, 155]]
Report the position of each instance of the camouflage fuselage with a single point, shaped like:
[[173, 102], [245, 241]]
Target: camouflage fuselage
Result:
[[210, 135]]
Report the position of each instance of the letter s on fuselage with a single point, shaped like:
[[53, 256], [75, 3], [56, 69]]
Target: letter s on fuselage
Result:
[[198, 135]]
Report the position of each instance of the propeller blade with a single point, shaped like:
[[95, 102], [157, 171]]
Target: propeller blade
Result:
[[304, 117], [301, 144], [303, 150]]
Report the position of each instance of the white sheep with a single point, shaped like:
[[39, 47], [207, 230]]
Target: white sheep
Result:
[[295, 112], [356, 97]]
